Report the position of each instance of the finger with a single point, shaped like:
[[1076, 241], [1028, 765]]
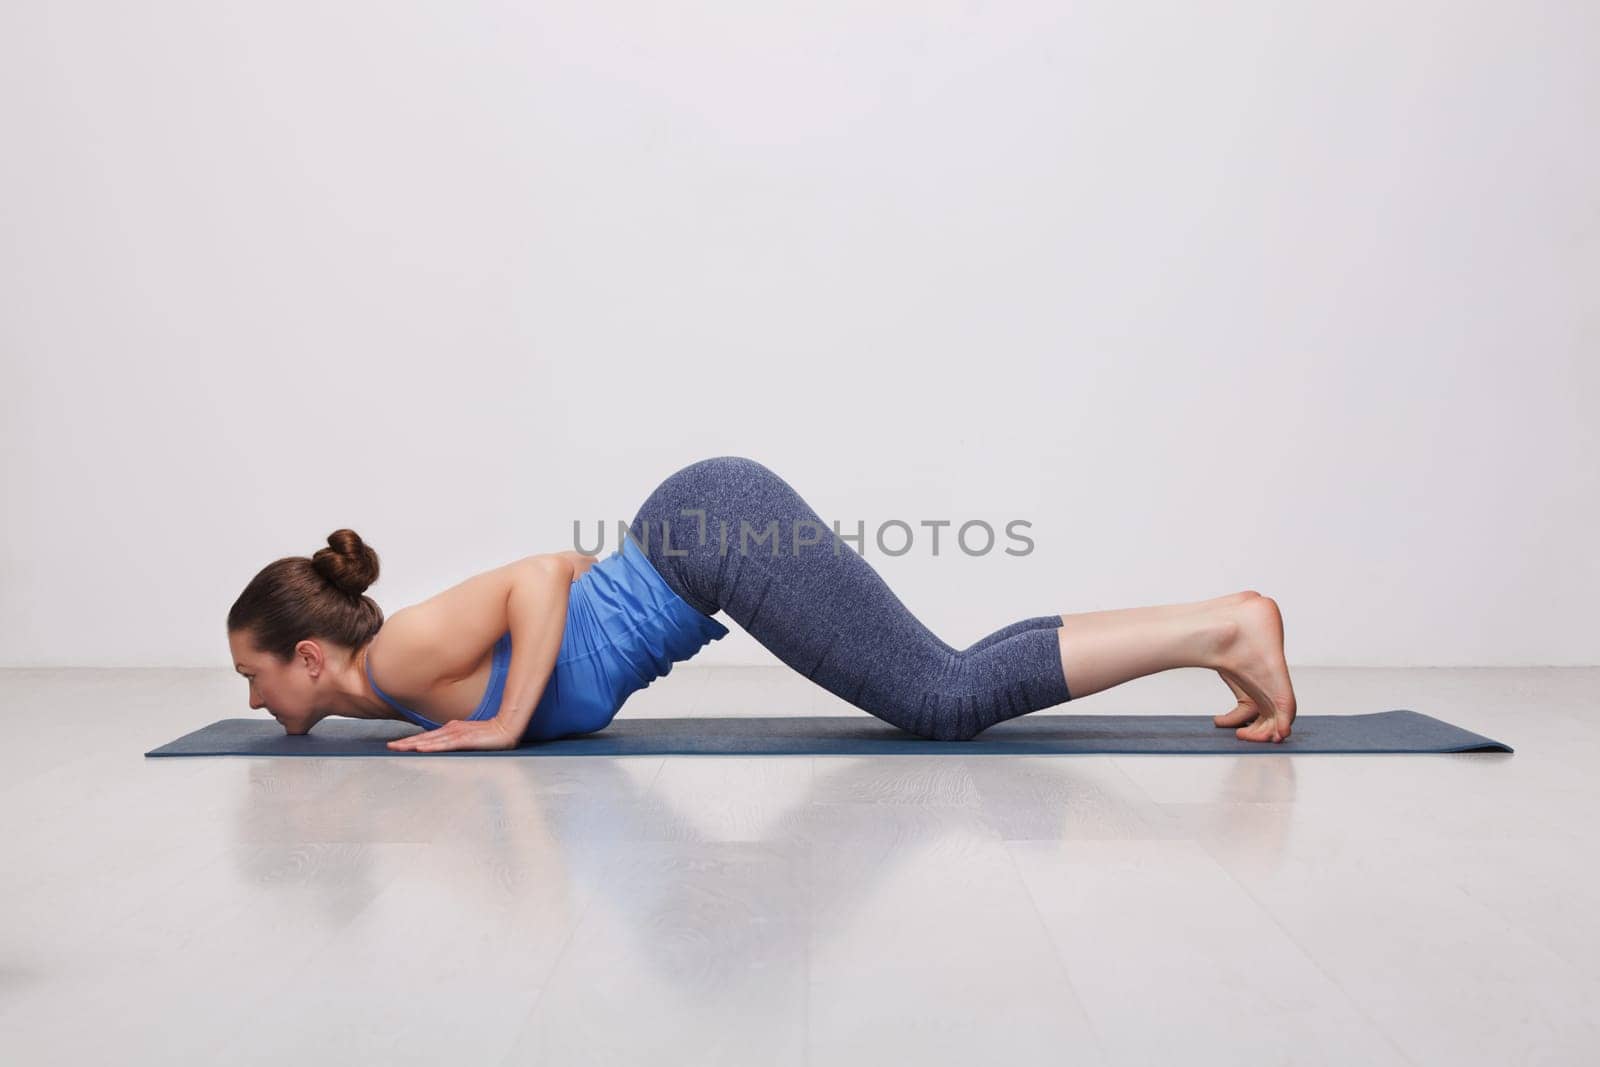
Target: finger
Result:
[[411, 743], [453, 735]]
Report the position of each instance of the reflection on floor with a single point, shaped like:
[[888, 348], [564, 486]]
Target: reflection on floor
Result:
[[792, 910]]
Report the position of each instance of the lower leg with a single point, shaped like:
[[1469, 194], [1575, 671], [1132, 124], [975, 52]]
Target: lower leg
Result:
[[1102, 649], [1160, 611]]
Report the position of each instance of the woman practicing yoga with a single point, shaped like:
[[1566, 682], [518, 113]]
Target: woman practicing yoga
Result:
[[552, 645]]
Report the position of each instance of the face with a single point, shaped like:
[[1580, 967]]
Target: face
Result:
[[288, 691]]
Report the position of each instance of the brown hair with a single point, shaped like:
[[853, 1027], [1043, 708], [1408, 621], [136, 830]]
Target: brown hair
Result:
[[300, 597]]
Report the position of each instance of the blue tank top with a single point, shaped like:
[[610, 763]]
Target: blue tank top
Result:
[[625, 628]]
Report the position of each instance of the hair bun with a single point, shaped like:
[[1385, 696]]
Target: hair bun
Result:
[[348, 563]]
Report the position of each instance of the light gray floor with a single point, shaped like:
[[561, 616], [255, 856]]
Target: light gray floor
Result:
[[785, 910]]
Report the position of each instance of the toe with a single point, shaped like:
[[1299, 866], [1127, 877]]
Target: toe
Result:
[[1260, 730], [1241, 714]]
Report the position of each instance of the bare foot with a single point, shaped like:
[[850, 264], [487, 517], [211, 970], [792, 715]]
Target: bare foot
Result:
[[1253, 665], [1245, 711]]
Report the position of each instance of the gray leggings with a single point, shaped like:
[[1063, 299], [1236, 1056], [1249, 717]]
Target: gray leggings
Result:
[[828, 614]]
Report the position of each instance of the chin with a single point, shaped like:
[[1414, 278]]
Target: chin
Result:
[[294, 729]]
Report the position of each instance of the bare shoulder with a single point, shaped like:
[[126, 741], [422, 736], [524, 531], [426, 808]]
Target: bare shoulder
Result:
[[444, 638]]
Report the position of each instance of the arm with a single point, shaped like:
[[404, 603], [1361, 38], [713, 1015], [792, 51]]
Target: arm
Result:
[[580, 562], [537, 608], [449, 632]]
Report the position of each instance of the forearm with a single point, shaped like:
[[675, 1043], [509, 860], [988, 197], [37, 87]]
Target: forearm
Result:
[[538, 621]]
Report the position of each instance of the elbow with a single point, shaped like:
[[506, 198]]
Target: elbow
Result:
[[546, 567]]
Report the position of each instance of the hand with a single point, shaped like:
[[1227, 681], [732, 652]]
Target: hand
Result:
[[476, 735]]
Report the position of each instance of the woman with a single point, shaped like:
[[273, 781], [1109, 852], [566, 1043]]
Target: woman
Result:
[[721, 535]]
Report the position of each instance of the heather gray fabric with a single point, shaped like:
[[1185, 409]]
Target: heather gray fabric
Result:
[[727, 534], [857, 735]]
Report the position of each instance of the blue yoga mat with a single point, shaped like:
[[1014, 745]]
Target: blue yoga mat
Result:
[[861, 735]]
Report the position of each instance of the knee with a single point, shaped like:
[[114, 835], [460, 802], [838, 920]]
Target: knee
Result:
[[948, 718], [953, 731]]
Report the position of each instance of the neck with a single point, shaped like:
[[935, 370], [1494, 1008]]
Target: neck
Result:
[[354, 696]]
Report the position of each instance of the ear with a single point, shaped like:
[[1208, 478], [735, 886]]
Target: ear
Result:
[[311, 652]]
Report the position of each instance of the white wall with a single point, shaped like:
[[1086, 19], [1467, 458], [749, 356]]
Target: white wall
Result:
[[1215, 295]]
